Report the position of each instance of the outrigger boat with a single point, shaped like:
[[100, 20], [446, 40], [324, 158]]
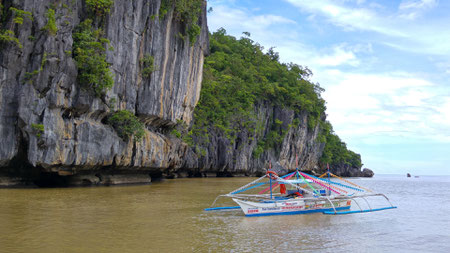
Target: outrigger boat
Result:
[[307, 194]]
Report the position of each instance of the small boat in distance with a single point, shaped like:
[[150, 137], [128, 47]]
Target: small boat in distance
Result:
[[300, 193]]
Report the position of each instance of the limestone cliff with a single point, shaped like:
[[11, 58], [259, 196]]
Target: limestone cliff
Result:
[[55, 131], [50, 124], [225, 157]]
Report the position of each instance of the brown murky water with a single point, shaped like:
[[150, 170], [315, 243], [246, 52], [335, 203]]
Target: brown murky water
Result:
[[169, 217]]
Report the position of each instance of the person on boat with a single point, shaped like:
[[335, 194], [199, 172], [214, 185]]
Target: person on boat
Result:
[[282, 189]]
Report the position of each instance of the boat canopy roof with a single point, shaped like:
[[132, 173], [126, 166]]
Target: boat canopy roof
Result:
[[302, 182]]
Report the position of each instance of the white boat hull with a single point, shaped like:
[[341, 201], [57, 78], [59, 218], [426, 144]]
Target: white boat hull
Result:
[[294, 206]]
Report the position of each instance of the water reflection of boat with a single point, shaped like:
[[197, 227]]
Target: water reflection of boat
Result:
[[306, 194]]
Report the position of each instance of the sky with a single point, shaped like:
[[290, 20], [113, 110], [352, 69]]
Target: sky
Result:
[[384, 65]]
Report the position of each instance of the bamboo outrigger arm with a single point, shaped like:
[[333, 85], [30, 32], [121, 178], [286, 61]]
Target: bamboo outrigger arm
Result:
[[360, 209], [332, 205]]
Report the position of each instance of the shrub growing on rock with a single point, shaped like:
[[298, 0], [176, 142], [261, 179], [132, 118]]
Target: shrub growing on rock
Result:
[[89, 52], [186, 11], [38, 129], [50, 27], [8, 36], [99, 7], [126, 125], [19, 15], [147, 65]]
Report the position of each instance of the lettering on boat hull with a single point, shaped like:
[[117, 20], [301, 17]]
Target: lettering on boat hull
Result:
[[297, 206]]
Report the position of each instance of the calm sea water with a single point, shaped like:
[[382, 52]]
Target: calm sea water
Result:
[[168, 217]]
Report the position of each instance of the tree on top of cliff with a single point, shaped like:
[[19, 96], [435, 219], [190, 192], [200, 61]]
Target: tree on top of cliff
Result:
[[238, 75], [242, 64]]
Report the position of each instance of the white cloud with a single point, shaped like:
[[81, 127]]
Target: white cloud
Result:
[[417, 4], [401, 33], [412, 9], [443, 118], [268, 30], [340, 56], [390, 104], [344, 54], [442, 65], [358, 18], [240, 19]]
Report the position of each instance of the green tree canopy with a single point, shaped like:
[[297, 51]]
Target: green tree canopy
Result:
[[238, 74]]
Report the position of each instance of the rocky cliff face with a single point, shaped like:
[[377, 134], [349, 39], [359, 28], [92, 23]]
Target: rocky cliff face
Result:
[[50, 124], [345, 170], [224, 157], [300, 148]]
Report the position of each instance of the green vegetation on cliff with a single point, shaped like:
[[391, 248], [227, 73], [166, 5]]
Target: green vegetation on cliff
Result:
[[238, 75], [19, 15], [89, 54], [38, 129], [89, 48], [148, 65], [242, 66], [51, 27], [126, 125], [186, 11], [99, 7], [8, 35]]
